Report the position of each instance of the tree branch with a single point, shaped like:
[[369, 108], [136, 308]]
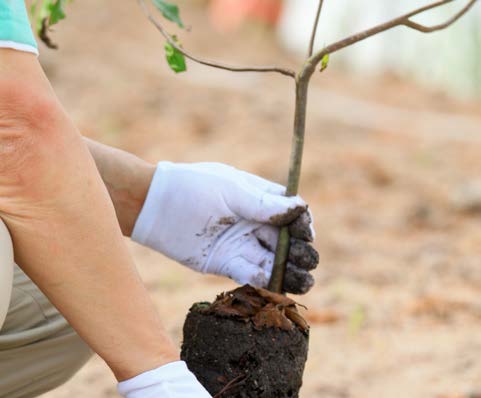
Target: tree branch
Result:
[[429, 29], [404, 20], [314, 29], [214, 64]]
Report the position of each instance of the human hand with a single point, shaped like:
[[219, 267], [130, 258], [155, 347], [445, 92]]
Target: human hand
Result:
[[216, 219]]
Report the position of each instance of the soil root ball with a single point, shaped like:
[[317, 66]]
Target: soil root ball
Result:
[[249, 343]]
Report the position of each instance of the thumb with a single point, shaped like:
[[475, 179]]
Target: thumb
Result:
[[266, 208]]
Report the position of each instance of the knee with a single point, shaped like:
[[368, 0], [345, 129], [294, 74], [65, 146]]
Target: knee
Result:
[[6, 271]]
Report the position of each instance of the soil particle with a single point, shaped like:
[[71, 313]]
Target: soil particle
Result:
[[226, 221], [231, 345]]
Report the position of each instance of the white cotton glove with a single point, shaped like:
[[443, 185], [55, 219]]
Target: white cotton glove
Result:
[[216, 219], [173, 380]]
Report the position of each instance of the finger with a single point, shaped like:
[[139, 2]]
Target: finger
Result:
[[256, 205], [245, 272], [303, 255], [302, 227], [297, 280], [264, 185]]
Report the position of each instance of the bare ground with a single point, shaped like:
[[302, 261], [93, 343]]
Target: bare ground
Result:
[[390, 173]]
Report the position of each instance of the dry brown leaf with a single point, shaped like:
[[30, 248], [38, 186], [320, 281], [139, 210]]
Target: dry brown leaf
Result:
[[294, 316], [270, 316], [322, 317], [263, 308]]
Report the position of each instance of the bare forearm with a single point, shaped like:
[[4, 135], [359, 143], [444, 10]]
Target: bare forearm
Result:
[[127, 179]]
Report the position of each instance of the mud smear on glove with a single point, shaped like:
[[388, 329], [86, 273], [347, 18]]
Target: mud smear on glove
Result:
[[286, 218], [300, 228], [248, 343]]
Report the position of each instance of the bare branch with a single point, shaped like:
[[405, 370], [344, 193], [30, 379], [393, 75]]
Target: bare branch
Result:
[[314, 29], [232, 68], [429, 29], [404, 20]]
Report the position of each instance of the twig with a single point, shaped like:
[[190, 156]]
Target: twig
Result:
[[429, 29], [214, 64], [404, 20], [314, 29], [231, 384]]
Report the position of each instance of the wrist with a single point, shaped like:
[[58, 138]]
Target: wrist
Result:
[[127, 179], [144, 361], [129, 202]]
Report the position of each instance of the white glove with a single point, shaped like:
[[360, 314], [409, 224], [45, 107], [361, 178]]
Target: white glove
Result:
[[173, 380], [216, 219]]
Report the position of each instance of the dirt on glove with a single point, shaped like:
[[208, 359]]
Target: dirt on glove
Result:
[[249, 343]]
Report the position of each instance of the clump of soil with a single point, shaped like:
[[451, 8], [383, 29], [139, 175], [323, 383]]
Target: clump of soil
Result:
[[249, 343]]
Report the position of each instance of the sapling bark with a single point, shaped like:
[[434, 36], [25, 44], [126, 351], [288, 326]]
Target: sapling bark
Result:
[[302, 80]]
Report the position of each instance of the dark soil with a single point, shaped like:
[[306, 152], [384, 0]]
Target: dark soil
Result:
[[233, 356]]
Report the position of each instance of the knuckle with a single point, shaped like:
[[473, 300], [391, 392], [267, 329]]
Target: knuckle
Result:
[[303, 254], [297, 280]]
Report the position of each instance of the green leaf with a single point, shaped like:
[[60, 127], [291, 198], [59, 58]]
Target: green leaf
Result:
[[324, 62], [175, 58], [52, 10], [56, 12], [169, 11]]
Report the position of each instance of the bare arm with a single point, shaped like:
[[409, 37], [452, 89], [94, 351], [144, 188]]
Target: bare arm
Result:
[[127, 179], [66, 236]]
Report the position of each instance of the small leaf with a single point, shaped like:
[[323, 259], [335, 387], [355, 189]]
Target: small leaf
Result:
[[175, 58], [169, 11], [324, 62], [56, 12]]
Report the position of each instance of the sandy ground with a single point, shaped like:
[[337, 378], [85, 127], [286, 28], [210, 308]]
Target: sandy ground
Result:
[[391, 172]]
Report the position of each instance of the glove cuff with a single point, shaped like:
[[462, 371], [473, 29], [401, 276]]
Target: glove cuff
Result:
[[173, 380]]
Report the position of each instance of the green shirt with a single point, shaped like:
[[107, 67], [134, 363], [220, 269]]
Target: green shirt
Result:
[[15, 29]]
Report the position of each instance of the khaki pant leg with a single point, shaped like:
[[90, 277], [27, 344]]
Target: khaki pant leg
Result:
[[39, 350], [6, 271]]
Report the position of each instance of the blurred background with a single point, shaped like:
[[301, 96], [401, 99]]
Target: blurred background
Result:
[[391, 171]]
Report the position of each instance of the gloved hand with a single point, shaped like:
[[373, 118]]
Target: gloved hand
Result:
[[173, 380], [216, 219]]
